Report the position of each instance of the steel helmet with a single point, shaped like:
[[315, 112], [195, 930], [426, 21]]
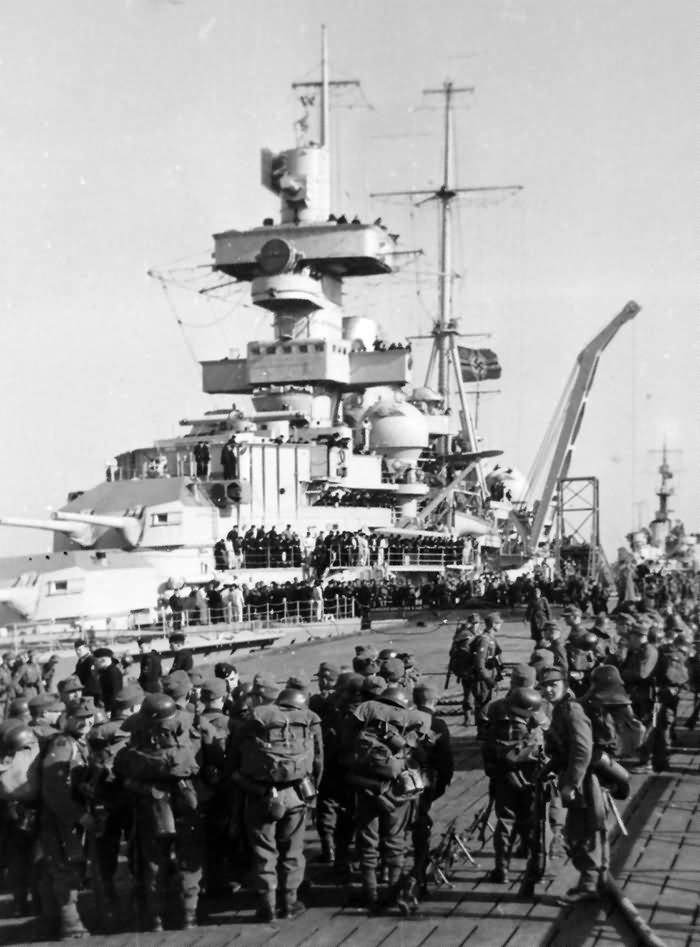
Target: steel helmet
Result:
[[588, 641], [17, 707], [395, 695], [523, 701], [291, 699], [18, 738], [386, 654], [158, 707]]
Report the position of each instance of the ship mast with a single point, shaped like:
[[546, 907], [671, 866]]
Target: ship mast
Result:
[[445, 334]]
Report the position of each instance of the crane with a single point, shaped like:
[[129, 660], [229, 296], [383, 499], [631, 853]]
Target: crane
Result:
[[567, 419]]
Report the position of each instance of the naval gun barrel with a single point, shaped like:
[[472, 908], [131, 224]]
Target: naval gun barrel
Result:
[[79, 532], [130, 527]]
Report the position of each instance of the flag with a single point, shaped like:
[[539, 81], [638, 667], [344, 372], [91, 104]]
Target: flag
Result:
[[478, 364]]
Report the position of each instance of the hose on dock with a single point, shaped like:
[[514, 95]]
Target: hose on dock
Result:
[[647, 937]]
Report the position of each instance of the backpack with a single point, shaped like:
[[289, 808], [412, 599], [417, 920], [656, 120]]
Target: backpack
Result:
[[380, 750], [279, 746], [615, 728], [673, 667], [462, 658], [579, 660]]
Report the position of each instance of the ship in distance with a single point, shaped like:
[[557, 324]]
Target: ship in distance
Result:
[[336, 434]]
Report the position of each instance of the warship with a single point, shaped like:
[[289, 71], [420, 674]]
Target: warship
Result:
[[338, 437]]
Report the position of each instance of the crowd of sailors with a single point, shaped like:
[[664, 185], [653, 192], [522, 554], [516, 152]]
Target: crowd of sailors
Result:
[[198, 776], [317, 551]]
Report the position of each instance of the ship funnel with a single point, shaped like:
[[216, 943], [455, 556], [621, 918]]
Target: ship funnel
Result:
[[78, 532], [130, 527]]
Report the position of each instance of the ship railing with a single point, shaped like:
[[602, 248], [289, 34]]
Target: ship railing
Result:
[[119, 630], [260, 615]]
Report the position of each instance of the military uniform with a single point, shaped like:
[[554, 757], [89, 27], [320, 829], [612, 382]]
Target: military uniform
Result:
[[64, 770], [512, 749], [638, 669], [275, 806], [486, 670], [214, 727], [384, 810], [569, 742], [439, 769], [158, 768]]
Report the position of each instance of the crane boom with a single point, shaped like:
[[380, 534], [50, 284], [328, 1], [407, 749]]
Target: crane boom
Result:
[[574, 408]]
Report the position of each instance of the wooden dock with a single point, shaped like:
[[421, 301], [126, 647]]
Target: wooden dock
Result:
[[657, 865]]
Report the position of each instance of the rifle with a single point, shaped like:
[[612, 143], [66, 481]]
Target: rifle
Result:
[[481, 822], [448, 676], [452, 845]]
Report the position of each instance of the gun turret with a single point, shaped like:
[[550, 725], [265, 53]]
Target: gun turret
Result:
[[78, 532], [130, 527]]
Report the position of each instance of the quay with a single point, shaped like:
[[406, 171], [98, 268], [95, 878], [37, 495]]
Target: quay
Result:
[[656, 866]]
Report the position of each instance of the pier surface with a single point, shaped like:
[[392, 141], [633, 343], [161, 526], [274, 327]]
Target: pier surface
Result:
[[656, 866]]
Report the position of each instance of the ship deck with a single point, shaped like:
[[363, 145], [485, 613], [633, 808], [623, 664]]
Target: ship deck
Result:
[[656, 866]]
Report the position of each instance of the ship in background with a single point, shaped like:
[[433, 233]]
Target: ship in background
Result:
[[660, 548], [339, 435]]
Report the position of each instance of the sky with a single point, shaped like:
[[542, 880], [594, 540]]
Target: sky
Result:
[[130, 133]]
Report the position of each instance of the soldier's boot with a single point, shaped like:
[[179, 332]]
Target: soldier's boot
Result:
[[71, 926], [394, 879], [327, 855], [291, 906], [498, 875], [189, 920], [150, 915], [266, 908], [369, 888]]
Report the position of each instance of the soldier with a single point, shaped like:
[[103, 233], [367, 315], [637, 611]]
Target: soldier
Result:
[[569, 743], [70, 691], [512, 749], [86, 672], [19, 794], [158, 767], [109, 803], [182, 656], [110, 675], [64, 769], [581, 657], [461, 660], [7, 687], [45, 710], [324, 706], [439, 769], [28, 680], [551, 640], [151, 668], [537, 613], [573, 617], [214, 731], [277, 763], [487, 666], [672, 675], [638, 671], [384, 748]]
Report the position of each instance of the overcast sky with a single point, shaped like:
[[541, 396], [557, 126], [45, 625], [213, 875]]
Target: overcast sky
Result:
[[130, 132]]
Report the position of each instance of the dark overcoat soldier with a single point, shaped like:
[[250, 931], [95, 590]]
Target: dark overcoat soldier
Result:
[[151, 667]]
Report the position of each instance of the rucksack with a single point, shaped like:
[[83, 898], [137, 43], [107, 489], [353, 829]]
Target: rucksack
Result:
[[673, 667], [380, 751], [579, 659], [462, 658], [279, 745]]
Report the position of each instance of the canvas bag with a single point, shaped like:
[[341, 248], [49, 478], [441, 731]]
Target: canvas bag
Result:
[[279, 747]]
